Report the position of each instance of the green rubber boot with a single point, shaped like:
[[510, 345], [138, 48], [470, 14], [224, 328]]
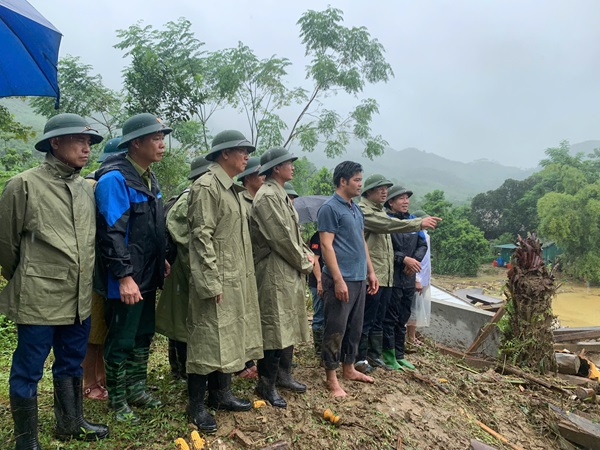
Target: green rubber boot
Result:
[[389, 357], [137, 372], [404, 363], [117, 398]]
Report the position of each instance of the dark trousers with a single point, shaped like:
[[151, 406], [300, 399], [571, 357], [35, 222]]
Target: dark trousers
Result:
[[375, 311], [129, 327], [34, 342], [398, 313], [343, 323]]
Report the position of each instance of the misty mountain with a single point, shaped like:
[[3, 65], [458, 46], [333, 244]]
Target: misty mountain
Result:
[[423, 172]]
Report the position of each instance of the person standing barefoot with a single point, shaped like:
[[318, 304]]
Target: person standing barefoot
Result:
[[347, 276]]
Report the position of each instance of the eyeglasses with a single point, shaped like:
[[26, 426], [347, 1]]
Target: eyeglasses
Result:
[[242, 150]]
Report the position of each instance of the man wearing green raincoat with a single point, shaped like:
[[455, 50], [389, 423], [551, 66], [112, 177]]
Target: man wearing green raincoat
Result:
[[223, 316], [47, 231], [282, 260], [172, 308]]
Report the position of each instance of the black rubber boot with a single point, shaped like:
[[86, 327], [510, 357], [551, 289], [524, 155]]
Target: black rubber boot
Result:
[[285, 379], [374, 355], [267, 378], [220, 396], [68, 409], [197, 413], [25, 416]]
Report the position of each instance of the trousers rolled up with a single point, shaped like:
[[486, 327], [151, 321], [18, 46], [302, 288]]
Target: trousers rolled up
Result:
[[343, 323], [398, 313]]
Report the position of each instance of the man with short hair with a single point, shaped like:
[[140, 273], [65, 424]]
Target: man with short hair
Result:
[[131, 241], [281, 259], [47, 231], [223, 314], [347, 276]]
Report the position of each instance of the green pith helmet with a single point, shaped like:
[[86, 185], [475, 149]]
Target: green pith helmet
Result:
[[375, 181], [111, 148], [141, 125], [198, 166], [420, 214], [228, 139], [64, 124], [252, 167], [273, 157], [290, 189], [395, 191]]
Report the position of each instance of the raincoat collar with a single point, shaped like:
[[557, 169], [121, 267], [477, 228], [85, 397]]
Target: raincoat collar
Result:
[[372, 204], [225, 179], [59, 168]]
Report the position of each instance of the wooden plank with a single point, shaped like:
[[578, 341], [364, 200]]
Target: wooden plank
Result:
[[577, 429], [484, 298], [473, 361], [571, 330], [588, 346], [578, 336], [485, 332]]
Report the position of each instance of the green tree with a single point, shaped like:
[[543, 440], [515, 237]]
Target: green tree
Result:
[[457, 246], [506, 209], [84, 94], [342, 59], [321, 183]]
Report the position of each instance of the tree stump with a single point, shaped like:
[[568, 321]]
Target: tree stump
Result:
[[528, 340]]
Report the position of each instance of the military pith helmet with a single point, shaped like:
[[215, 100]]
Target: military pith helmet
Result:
[[228, 139], [289, 189], [141, 125], [252, 167], [273, 157], [375, 181], [421, 214], [395, 191], [198, 166], [65, 124], [111, 148]]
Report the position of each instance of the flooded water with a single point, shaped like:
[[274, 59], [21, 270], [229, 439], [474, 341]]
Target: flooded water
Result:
[[578, 306]]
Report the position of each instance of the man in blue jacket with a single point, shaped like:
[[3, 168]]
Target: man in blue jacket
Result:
[[131, 244]]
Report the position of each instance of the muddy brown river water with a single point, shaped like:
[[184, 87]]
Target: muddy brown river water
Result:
[[578, 306]]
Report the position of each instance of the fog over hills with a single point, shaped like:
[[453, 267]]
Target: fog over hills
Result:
[[423, 171]]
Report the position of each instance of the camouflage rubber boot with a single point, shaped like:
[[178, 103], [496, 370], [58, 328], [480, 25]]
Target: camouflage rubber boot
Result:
[[117, 399], [137, 373]]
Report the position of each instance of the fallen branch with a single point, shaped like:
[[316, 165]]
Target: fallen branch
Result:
[[492, 432], [520, 373]]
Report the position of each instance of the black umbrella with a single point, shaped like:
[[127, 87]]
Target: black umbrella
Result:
[[308, 206], [29, 46]]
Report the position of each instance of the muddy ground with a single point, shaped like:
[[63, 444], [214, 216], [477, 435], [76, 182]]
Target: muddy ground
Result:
[[399, 411]]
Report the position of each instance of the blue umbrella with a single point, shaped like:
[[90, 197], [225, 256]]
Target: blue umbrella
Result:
[[29, 43]]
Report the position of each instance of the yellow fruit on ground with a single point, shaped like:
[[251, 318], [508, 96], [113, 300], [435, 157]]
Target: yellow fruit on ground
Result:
[[259, 404], [180, 444], [197, 441]]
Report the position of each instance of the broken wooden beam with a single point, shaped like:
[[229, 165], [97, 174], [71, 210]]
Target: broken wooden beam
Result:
[[577, 429], [577, 336], [486, 331]]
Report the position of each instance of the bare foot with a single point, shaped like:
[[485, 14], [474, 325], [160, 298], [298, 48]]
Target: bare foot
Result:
[[333, 385], [335, 389], [350, 373]]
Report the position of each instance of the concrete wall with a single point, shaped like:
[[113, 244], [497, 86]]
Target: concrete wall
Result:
[[456, 324]]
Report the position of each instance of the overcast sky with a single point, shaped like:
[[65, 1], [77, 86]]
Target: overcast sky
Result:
[[501, 80]]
